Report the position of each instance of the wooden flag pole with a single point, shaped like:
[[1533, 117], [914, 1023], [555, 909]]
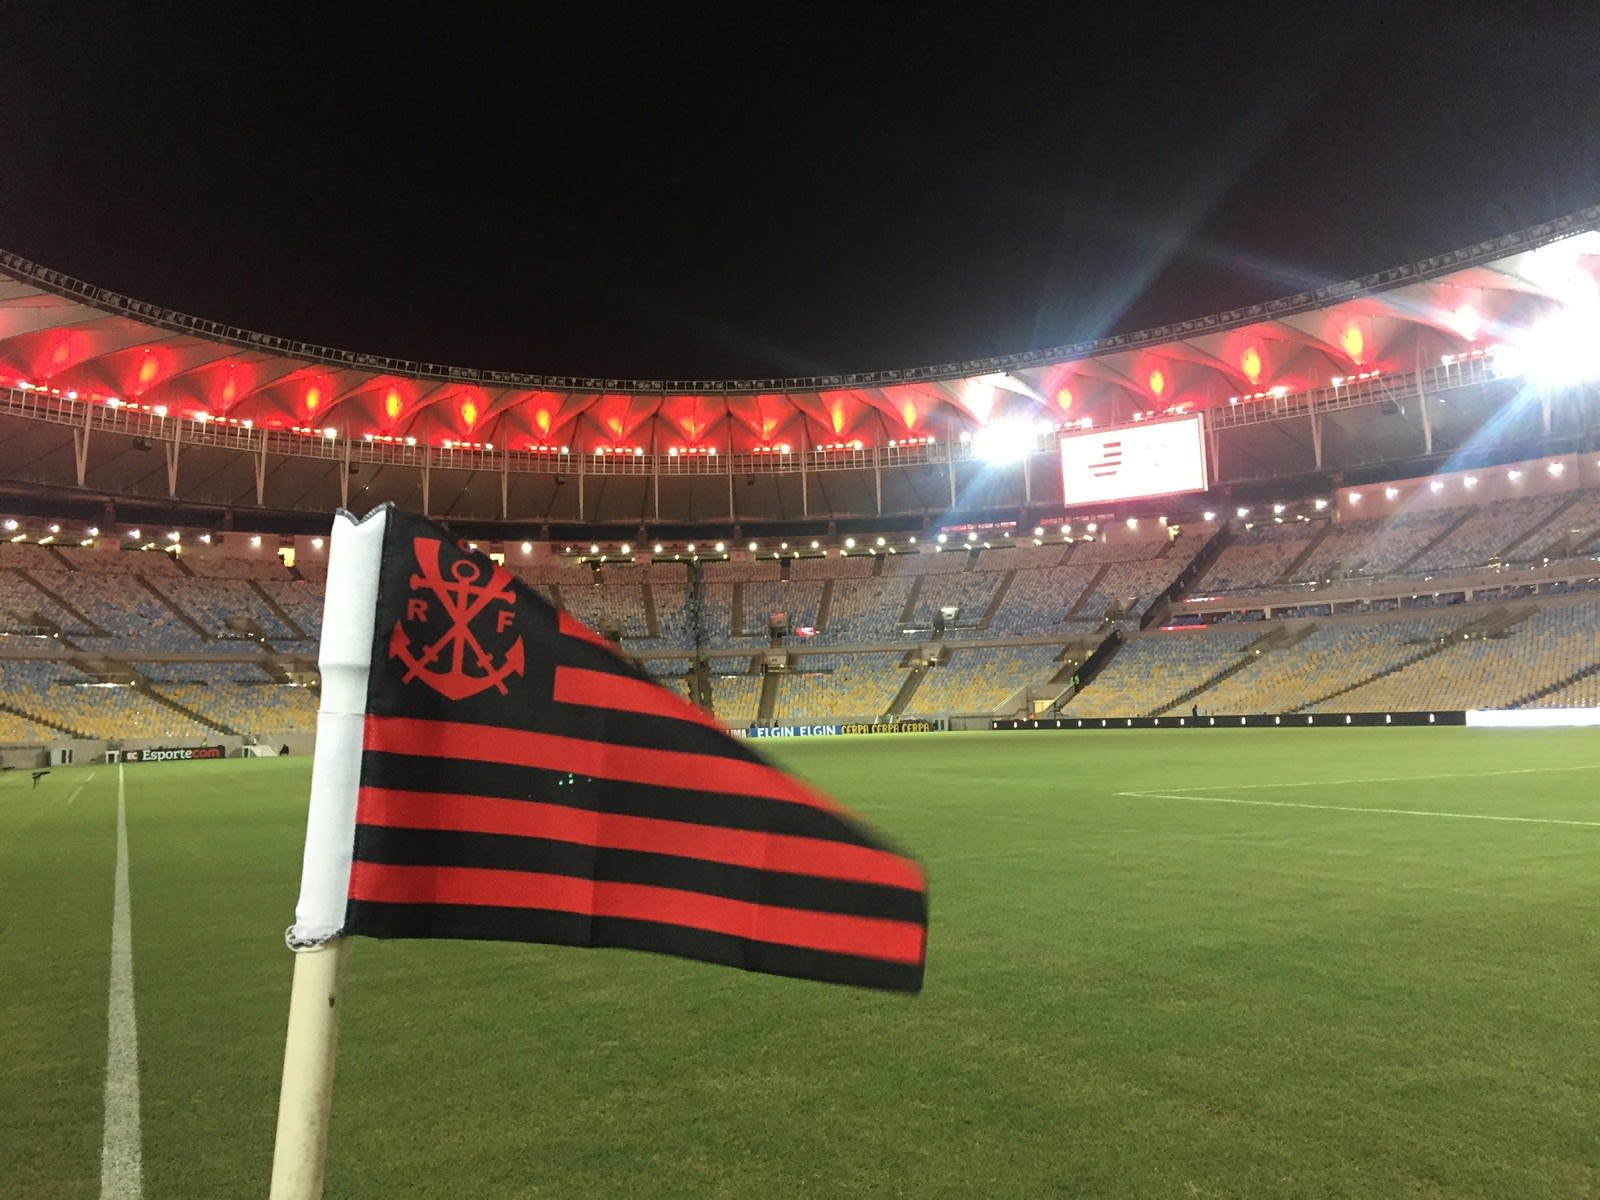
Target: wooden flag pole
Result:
[[355, 558], [307, 1095]]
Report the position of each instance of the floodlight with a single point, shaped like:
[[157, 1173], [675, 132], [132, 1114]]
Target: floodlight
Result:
[[1560, 351], [1004, 442]]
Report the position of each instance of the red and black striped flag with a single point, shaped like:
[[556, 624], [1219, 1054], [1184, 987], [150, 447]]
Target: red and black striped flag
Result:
[[514, 778]]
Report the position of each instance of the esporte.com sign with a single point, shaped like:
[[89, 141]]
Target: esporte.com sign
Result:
[[173, 754]]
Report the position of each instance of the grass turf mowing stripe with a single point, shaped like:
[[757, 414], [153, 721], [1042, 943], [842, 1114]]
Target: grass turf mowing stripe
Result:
[[120, 1173]]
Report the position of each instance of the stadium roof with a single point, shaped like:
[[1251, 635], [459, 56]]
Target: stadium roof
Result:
[[59, 335]]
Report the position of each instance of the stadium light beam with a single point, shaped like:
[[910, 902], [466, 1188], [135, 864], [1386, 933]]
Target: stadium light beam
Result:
[[1004, 442]]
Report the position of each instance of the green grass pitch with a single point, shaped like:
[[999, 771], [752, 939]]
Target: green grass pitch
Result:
[[1161, 965]]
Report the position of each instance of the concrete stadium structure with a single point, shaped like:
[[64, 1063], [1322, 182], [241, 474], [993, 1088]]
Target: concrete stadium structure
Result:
[[1377, 452]]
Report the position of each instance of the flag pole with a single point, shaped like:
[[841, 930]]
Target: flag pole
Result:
[[307, 1096], [344, 658]]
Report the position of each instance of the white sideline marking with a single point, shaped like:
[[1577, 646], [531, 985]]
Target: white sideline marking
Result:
[[1393, 812], [79, 788], [120, 1162], [1240, 787]]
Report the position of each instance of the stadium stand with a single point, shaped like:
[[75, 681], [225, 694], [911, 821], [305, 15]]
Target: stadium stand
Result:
[[1154, 670], [205, 636], [839, 687], [979, 679]]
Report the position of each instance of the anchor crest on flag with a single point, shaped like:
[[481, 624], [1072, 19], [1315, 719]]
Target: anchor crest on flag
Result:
[[479, 606]]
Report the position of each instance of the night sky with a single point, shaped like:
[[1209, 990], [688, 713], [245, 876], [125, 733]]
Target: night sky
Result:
[[784, 190]]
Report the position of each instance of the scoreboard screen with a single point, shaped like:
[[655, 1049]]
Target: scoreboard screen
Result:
[[1157, 458]]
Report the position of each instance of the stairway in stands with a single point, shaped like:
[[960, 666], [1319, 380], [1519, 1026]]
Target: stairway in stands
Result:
[[1583, 673], [76, 613], [1437, 647], [145, 690], [40, 719], [297, 633]]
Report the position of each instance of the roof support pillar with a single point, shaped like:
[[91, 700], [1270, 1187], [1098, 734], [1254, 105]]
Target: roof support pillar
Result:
[[1422, 406], [950, 462], [581, 474], [80, 444], [173, 448], [1316, 437], [344, 476], [1544, 407], [1027, 479], [261, 468], [1213, 449], [505, 486], [732, 516], [805, 486], [877, 481], [427, 472]]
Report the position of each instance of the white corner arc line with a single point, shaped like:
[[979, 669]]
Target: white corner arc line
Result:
[[1355, 808], [121, 1166], [1301, 783]]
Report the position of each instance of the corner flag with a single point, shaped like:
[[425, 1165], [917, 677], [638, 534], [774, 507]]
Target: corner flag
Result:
[[496, 770], [487, 767]]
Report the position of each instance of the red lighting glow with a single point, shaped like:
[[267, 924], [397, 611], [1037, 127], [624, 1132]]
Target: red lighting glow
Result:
[[1353, 342], [1158, 382], [1250, 364]]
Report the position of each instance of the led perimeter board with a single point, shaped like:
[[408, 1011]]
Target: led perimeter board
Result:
[[1157, 458]]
